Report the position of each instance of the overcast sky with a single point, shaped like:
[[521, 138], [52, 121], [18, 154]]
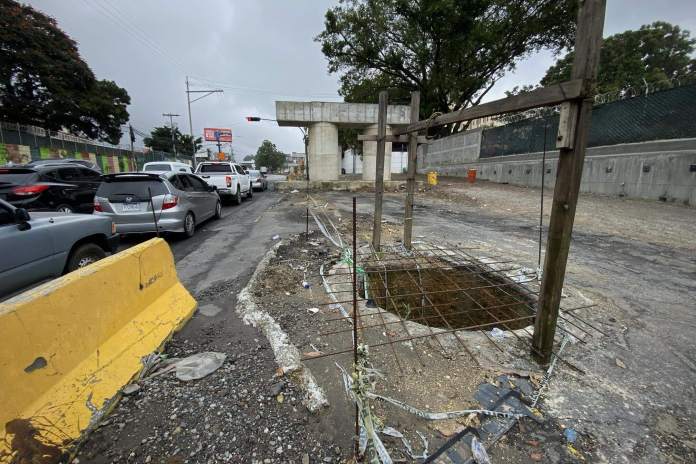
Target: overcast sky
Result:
[[256, 51]]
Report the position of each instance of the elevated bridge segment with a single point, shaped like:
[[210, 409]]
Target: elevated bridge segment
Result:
[[323, 120]]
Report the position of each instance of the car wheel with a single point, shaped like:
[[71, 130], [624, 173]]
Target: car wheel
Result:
[[65, 209], [189, 225], [218, 211], [85, 255], [251, 193], [238, 197]]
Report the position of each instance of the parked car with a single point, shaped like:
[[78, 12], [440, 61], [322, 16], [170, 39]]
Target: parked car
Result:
[[229, 179], [161, 167], [258, 180], [65, 187], [40, 246], [85, 163], [175, 200]]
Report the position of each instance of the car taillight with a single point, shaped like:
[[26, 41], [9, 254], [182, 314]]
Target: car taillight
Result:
[[228, 179], [29, 190], [169, 201], [97, 205]]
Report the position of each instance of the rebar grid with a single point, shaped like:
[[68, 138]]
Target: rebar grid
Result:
[[394, 274]]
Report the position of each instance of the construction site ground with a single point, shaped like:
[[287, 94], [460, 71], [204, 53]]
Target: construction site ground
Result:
[[630, 400]]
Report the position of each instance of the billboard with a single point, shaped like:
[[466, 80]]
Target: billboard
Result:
[[214, 134]]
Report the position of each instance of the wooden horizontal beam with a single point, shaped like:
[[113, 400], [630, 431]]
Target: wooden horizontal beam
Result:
[[390, 138], [545, 96]]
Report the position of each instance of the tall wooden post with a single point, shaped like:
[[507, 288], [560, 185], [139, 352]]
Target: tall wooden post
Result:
[[411, 171], [573, 142], [379, 168]]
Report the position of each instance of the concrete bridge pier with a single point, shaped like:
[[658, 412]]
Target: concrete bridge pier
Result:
[[369, 161], [324, 153]]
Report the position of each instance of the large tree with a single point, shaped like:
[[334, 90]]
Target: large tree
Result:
[[452, 51], [160, 139], [45, 82], [269, 156], [657, 54]]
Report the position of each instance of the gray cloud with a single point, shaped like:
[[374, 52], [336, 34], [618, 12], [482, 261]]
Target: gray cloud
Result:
[[256, 51]]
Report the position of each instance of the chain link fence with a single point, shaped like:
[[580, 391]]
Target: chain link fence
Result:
[[20, 144], [663, 115]]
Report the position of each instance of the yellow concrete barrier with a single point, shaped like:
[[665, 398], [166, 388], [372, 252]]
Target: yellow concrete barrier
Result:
[[68, 346]]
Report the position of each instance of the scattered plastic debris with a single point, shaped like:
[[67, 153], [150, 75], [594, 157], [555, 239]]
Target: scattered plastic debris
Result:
[[570, 435], [313, 310], [498, 334], [620, 363], [295, 191], [479, 452], [305, 284], [194, 367], [276, 237]]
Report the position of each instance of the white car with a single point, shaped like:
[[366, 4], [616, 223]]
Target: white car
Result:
[[160, 167], [230, 179]]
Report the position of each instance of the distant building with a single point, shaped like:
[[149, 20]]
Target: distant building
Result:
[[294, 160]]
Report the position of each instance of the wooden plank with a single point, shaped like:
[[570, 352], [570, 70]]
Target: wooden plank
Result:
[[411, 171], [379, 168], [570, 164], [404, 138], [545, 96]]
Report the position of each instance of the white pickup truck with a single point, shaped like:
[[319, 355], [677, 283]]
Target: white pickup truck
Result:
[[230, 179]]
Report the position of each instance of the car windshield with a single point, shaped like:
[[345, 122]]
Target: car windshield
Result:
[[16, 176], [130, 186], [254, 174], [157, 167], [215, 168]]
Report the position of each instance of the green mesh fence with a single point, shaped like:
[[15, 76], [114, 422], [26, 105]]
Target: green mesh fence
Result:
[[668, 114]]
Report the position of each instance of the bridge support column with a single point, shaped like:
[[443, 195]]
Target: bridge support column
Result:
[[370, 155], [324, 153]]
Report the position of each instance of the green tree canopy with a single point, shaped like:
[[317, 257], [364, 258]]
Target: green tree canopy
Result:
[[658, 53], [452, 51], [249, 158], [45, 82], [269, 156], [160, 139]]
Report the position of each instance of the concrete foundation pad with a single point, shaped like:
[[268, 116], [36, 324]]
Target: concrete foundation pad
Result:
[[342, 185]]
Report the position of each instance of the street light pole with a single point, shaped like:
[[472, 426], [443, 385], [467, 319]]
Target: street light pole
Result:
[[189, 101], [171, 124]]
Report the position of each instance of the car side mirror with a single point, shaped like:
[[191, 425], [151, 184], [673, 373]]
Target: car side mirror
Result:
[[21, 217]]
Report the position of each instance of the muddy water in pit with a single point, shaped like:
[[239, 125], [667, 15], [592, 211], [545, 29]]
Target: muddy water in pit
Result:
[[440, 295]]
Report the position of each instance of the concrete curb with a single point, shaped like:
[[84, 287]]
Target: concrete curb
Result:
[[286, 354]]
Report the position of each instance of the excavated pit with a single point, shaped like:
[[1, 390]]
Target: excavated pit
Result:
[[467, 297]]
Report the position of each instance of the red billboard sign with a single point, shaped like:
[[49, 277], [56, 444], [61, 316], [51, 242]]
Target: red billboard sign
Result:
[[214, 134]]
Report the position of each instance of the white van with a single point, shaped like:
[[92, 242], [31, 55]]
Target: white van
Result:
[[158, 167]]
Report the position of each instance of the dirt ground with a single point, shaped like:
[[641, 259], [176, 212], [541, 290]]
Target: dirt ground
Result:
[[636, 260], [629, 395]]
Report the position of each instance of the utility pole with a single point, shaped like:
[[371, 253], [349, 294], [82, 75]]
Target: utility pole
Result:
[[189, 101], [171, 117]]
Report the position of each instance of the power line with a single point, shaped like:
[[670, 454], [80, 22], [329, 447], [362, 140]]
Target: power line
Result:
[[133, 32]]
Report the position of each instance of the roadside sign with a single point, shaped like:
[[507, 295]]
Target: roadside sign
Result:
[[221, 156], [216, 134]]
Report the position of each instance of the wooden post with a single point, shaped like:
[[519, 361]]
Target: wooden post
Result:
[[570, 164], [411, 172], [379, 168]]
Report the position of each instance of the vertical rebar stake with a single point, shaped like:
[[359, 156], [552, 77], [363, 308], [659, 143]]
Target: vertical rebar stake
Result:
[[355, 326], [307, 224]]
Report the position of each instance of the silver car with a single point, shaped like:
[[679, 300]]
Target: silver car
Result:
[[258, 180], [175, 201]]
